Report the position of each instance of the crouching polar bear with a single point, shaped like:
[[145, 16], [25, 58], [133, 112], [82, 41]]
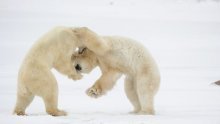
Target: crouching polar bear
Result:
[[53, 50], [116, 56]]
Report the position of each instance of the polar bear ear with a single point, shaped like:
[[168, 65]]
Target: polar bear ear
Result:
[[82, 50]]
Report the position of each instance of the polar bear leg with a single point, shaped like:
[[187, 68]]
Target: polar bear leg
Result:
[[146, 91], [23, 101], [105, 83], [92, 40], [130, 90], [49, 93], [51, 103], [46, 87]]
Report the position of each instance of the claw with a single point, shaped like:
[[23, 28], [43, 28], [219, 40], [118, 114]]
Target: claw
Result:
[[93, 92]]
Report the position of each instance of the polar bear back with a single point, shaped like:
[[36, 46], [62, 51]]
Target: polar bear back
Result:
[[55, 43], [128, 53]]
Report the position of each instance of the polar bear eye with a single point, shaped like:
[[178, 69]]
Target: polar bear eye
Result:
[[76, 50], [81, 50]]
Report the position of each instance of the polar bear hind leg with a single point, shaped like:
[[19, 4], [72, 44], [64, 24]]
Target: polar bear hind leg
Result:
[[49, 93], [23, 101], [131, 93], [146, 91], [43, 85]]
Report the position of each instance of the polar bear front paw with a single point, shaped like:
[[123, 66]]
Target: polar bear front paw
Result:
[[94, 92]]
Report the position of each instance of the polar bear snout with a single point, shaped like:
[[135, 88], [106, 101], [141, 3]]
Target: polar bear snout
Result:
[[78, 67]]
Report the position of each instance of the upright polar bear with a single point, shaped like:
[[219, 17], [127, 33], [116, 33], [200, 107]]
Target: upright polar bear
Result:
[[116, 56], [53, 50]]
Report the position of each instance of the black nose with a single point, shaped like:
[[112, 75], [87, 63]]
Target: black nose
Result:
[[78, 68]]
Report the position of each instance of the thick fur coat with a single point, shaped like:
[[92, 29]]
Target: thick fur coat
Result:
[[116, 56], [53, 50]]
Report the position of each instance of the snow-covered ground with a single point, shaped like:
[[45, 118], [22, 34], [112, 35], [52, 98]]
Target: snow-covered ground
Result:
[[183, 36]]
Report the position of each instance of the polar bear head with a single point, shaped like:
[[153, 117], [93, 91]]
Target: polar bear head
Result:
[[84, 60]]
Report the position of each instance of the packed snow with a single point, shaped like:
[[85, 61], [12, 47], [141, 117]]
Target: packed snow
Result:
[[182, 35]]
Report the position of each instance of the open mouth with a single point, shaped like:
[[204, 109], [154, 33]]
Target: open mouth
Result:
[[78, 67]]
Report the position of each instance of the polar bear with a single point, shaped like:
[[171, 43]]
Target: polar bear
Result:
[[115, 56], [53, 50]]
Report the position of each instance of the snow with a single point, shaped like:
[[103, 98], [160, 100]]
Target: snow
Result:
[[182, 35]]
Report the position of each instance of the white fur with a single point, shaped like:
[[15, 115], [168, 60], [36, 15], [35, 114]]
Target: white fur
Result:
[[116, 56], [53, 50]]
